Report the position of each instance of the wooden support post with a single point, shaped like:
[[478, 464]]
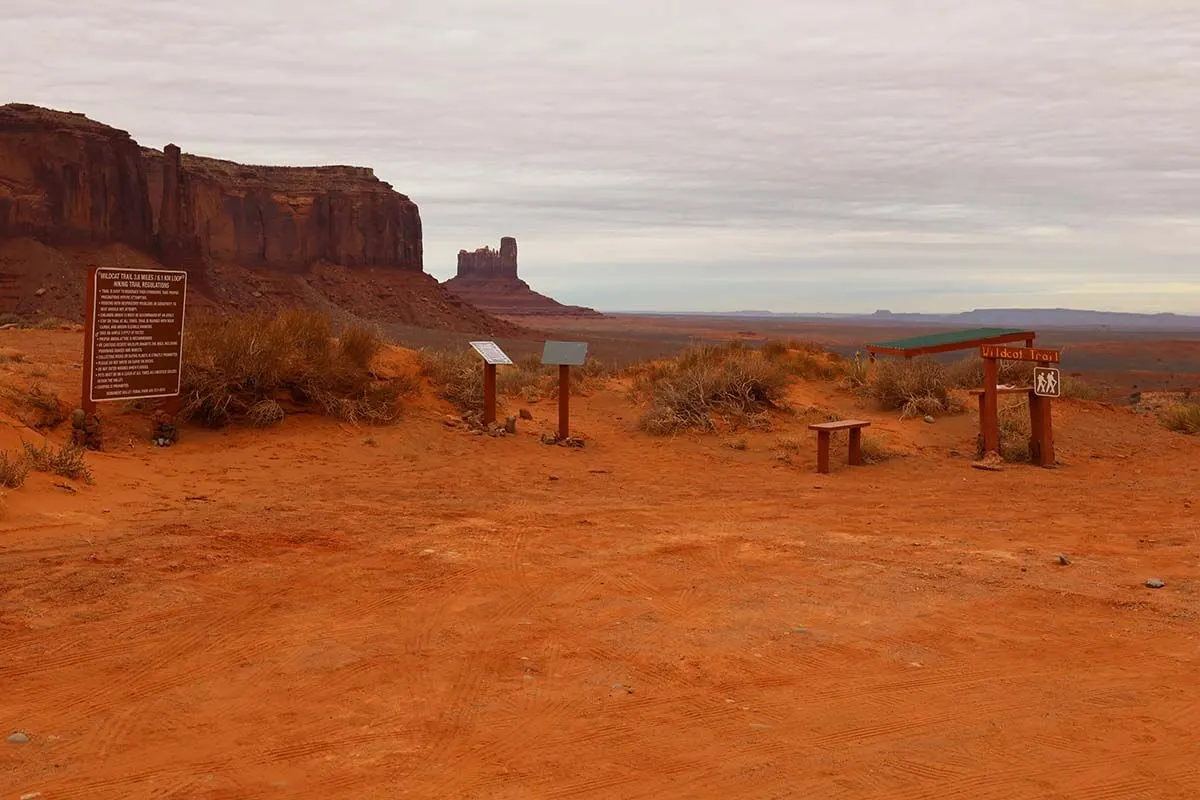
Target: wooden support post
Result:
[[1035, 437], [989, 417], [1041, 440], [564, 401], [89, 309], [489, 393], [856, 458], [823, 451]]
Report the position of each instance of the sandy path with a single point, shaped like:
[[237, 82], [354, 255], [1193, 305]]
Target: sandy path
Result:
[[435, 617]]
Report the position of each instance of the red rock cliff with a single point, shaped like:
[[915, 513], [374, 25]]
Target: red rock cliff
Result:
[[283, 217], [67, 180]]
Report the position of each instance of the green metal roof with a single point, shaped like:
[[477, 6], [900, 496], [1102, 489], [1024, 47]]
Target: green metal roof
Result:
[[947, 338], [950, 340]]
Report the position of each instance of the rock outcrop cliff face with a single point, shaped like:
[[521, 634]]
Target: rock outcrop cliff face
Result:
[[488, 279], [488, 264], [281, 217], [65, 179], [75, 193]]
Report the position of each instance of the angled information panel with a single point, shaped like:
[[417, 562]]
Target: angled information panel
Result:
[[491, 352], [571, 354]]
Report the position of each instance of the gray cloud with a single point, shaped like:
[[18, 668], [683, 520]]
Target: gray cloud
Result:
[[786, 154]]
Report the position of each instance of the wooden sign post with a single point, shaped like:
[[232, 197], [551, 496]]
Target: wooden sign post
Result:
[[565, 355], [492, 356], [133, 336], [1041, 444]]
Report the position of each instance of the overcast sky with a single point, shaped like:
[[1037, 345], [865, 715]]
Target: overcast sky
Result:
[[790, 155]]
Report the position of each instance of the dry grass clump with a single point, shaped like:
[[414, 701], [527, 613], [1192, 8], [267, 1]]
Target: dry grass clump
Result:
[[1183, 417], [66, 461], [1015, 432], [707, 383], [1079, 389], [457, 376], [38, 407], [876, 451], [916, 388], [249, 367], [13, 470]]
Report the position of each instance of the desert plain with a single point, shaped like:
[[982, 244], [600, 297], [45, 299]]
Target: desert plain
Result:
[[323, 609]]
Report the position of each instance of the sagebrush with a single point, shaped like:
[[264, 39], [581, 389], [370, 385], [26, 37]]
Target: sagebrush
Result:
[[247, 368], [66, 461], [708, 384], [1183, 417], [916, 387], [13, 470]]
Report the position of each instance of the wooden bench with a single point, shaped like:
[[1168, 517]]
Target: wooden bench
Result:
[[825, 430]]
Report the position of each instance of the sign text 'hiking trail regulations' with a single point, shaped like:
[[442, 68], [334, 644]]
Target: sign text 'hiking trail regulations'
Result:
[[136, 333]]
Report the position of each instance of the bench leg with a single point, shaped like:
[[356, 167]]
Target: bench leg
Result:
[[823, 451], [856, 458]]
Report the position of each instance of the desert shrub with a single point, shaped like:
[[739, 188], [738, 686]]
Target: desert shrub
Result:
[[709, 382], [856, 372], [804, 359], [52, 324], [739, 443], [1183, 417], [914, 387], [527, 377], [457, 376], [1079, 389], [13, 470], [1015, 433], [66, 461], [243, 367], [968, 373], [38, 407], [876, 451], [788, 445], [265, 413]]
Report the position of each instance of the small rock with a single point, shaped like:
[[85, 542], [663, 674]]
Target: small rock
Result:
[[31, 796], [549, 438], [510, 425], [1155, 583], [526, 414], [257, 294], [553, 477], [929, 420], [1063, 560], [17, 737], [450, 422], [39, 292]]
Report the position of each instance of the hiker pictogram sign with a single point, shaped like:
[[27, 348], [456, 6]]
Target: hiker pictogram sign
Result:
[[1046, 382]]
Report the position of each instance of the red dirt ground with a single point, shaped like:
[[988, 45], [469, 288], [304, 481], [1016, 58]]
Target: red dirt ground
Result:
[[304, 612]]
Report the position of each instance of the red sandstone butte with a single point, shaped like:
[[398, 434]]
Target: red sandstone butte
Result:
[[281, 217], [488, 279], [67, 180], [76, 193]]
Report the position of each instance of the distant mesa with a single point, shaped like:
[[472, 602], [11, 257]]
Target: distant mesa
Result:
[[488, 279]]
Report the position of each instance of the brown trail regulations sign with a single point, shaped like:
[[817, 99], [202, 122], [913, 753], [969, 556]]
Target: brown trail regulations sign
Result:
[[134, 334]]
